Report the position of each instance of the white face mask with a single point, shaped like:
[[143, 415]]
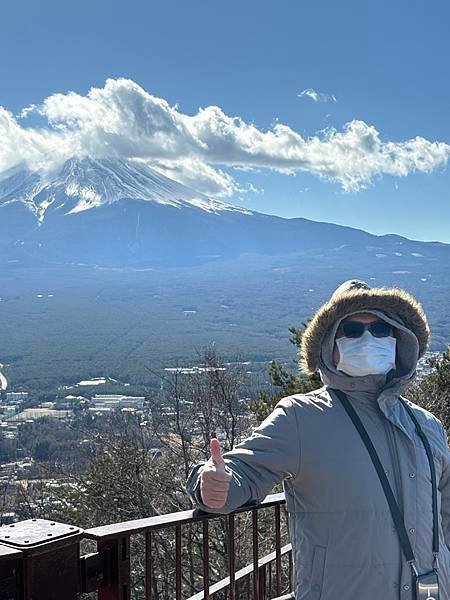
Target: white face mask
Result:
[[366, 355]]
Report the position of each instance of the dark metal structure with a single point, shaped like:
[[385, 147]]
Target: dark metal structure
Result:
[[41, 560]]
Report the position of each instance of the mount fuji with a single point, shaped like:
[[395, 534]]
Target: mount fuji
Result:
[[122, 212], [87, 184]]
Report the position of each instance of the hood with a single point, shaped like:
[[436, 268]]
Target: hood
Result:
[[353, 296], [370, 386]]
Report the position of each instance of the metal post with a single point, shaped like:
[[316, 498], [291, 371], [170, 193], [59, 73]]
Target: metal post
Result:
[[148, 565], [231, 557], [50, 559], [256, 589], [178, 565], [118, 578], [10, 573], [278, 548]]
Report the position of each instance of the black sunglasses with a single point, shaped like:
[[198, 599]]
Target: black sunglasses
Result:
[[355, 329]]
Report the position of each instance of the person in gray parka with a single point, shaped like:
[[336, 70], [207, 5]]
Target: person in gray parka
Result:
[[344, 542]]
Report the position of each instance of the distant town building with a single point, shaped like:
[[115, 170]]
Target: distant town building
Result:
[[105, 402], [8, 411], [7, 518], [72, 402], [32, 414], [16, 397], [193, 370], [75, 399], [423, 368], [8, 430]]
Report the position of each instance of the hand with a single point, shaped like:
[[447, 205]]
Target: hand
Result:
[[214, 479]]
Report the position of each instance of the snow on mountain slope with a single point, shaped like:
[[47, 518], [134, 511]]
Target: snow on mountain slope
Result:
[[84, 184]]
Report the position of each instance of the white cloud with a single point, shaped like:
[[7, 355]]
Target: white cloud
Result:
[[123, 120], [199, 175], [246, 169], [253, 189], [317, 96]]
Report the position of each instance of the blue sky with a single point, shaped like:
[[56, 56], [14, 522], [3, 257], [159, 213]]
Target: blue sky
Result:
[[384, 64]]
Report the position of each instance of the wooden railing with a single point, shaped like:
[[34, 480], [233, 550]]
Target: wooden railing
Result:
[[41, 560]]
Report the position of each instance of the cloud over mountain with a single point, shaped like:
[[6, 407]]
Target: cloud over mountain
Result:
[[122, 120]]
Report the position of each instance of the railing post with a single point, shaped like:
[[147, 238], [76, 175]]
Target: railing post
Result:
[[118, 584], [205, 538], [178, 565], [231, 557], [262, 583], [256, 588], [277, 549], [10, 573], [49, 561], [148, 565]]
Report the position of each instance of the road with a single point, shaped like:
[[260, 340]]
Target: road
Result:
[[3, 380]]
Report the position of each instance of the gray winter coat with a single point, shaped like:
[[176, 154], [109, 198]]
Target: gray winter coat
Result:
[[345, 546]]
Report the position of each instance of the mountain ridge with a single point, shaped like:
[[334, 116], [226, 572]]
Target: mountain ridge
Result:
[[116, 212]]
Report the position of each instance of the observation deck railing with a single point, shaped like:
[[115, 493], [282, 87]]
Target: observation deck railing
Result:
[[43, 560]]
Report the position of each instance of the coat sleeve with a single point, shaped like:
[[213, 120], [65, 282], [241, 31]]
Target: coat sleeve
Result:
[[269, 455], [444, 487]]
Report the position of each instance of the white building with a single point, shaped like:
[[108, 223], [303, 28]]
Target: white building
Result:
[[16, 397], [116, 401]]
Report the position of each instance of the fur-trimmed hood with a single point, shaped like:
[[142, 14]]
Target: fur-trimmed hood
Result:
[[353, 296]]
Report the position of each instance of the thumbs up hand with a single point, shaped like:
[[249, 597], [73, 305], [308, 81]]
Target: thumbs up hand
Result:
[[214, 478]]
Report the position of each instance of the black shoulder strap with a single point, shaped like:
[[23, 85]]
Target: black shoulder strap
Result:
[[393, 506]]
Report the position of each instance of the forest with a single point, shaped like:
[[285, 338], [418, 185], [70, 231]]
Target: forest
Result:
[[63, 325]]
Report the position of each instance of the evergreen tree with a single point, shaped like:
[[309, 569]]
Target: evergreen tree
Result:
[[285, 382]]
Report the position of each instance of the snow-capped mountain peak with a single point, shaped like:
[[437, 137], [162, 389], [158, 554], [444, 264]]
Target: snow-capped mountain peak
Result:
[[83, 184]]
